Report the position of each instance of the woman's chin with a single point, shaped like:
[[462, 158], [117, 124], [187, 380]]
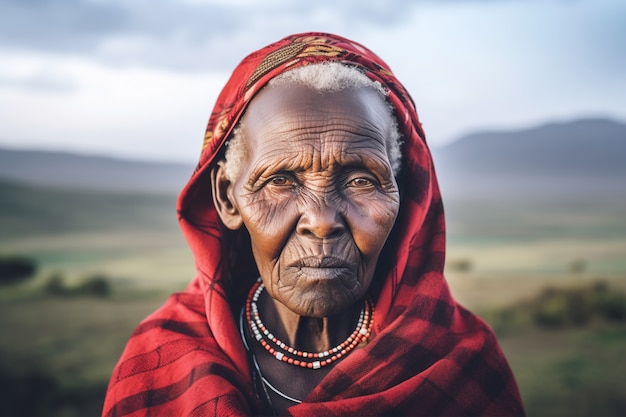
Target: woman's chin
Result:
[[320, 304]]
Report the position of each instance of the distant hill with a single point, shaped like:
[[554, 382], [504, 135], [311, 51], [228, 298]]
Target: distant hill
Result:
[[578, 160], [493, 183], [581, 160], [27, 210], [67, 170], [592, 147]]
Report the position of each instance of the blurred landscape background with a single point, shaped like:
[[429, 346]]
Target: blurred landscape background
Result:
[[103, 106], [536, 246]]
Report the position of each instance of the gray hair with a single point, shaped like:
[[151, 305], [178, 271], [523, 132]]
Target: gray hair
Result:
[[327, 77]]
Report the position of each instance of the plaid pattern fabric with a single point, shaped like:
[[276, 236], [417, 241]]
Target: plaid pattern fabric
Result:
[[427, 355]]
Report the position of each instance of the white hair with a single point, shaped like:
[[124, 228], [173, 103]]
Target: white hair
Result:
[[327, 77]]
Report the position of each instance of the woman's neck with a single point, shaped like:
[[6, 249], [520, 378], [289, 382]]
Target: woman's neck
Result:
[[310, 334]]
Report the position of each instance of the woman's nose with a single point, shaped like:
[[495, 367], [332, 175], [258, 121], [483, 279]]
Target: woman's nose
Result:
[[321, 220]]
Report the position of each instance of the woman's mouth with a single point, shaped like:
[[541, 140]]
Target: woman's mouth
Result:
[[321, 262], [322, 267]]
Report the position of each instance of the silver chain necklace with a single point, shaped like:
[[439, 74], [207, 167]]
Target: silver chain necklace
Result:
[[258, 368]]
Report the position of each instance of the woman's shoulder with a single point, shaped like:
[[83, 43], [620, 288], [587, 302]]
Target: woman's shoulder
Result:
[[172, 363]]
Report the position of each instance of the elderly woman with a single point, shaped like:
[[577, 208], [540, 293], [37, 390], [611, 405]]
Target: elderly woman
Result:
[[318, 231]]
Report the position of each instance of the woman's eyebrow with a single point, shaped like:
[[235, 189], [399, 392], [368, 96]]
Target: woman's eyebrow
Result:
[[263, 171], [368, 161]]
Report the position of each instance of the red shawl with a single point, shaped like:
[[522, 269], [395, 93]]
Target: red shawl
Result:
[[427, 356]]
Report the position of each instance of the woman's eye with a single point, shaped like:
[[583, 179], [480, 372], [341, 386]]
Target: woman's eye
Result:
[[279, 180], [360, 182]]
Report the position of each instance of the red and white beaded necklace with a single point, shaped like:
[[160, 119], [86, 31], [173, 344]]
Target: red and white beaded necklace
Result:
[[311, 360]]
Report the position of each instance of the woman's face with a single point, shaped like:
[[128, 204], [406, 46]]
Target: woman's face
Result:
[[317, 194]]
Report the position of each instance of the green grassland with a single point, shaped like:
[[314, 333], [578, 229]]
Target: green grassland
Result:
[[133, 238], [57, 352]]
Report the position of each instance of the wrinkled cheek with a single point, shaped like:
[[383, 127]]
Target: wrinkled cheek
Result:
[[266, 254], [284, 274], [292, 252], [384, 215], [259, 215], [373, 236], [268, 229]]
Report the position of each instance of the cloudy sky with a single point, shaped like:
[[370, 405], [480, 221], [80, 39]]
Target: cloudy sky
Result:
[[138, 78]]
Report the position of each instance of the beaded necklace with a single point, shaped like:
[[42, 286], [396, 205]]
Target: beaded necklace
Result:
[[264, 382], [312, 360]]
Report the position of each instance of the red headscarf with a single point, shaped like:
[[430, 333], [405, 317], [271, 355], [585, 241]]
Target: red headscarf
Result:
[[427, 354]]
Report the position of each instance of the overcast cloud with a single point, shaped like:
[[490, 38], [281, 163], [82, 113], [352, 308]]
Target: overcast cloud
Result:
[[178, 34], [138, 78]]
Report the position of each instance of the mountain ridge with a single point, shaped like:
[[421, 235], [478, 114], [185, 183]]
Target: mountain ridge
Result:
[[584, 157], [580, 147], [92, 172]]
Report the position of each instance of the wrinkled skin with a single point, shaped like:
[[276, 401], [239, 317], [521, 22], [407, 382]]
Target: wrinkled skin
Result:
[[318, 197], [316, 194]]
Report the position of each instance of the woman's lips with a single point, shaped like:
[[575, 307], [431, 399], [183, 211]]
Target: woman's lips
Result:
[[322, 268], [321, 262]]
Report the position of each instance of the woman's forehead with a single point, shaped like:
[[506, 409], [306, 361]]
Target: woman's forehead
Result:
[[327, 152], [300, 113]]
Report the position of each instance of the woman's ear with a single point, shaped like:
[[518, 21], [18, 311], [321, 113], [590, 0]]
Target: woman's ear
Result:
[[221, 188]]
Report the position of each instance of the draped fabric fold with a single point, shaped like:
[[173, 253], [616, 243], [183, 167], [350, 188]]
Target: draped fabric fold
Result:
[[427, 356]]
